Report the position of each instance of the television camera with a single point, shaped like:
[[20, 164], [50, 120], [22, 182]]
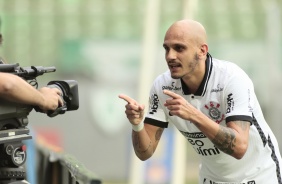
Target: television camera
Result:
[[14, 120]]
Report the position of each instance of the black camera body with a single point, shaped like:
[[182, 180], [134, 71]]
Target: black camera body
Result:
[[14, 117], [11, 110]]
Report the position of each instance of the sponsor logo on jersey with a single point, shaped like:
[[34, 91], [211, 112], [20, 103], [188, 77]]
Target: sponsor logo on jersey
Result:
[[217, 89], [214, 112], [199, 145], [172, 87], [207, 181], [230, 103], [154, 103], [206, 152], [195, 135]]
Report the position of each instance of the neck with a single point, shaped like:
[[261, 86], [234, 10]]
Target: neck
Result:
[[194, 80]]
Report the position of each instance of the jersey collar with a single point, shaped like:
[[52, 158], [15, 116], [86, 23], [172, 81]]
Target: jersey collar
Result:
[[202, 89]]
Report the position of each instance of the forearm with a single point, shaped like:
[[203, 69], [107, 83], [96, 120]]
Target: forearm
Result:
[[232, 139], [144, 143], [15, 89], [226, 139]]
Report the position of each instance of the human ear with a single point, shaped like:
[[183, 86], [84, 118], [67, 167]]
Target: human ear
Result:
[[203, 50]]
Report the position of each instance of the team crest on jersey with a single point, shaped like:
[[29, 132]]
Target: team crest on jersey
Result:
[[214, 112]]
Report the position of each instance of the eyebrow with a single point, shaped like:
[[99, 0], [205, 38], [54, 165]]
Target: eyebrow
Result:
[[175, 44]]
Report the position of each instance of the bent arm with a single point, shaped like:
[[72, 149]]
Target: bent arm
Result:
[[16, 89], [146, 138], [232, 140], [145, 142]]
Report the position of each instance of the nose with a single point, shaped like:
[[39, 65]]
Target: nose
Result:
[[170, 55]]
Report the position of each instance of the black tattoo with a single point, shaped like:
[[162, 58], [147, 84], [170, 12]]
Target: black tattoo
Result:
[[225, 140], [144, 151], [158, 134], [136, 141], [136, 144]]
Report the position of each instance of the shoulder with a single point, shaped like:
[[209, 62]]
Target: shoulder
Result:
[[231, 78], [224, 65], [163, 79], [228, 70]]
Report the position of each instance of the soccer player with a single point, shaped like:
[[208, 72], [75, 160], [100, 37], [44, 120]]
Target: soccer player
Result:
[[214, 105]]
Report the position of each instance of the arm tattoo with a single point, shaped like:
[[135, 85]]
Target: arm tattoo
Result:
[[225, 140], [158, 134], [136, 141], [144, 151]]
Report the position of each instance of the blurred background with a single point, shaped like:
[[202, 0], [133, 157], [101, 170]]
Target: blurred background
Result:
[[111, 47]]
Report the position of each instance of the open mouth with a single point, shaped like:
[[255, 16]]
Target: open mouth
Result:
[[174, 65]]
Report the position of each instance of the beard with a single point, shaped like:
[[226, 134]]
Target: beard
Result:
[[191, 67]]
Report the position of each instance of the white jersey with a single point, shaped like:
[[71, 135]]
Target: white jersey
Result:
[[225, 94]]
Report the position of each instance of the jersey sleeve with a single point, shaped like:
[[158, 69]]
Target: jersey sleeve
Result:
[[156, 115], [239, 99]]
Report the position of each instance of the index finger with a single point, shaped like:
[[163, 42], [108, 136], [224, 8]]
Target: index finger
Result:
[[170, 93], [127, 99], [59, 92], [61, 103]]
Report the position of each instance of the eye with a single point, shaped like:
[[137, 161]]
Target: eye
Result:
[[166, 48], [179, 48]]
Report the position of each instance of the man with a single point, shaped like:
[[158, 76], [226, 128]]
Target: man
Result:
[[16, 89], [213, 104]]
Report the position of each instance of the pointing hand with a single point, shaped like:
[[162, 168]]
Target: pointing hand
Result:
[[133, 110]]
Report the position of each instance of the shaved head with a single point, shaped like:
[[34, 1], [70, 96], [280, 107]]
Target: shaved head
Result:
[[189, 30], [186, 50]]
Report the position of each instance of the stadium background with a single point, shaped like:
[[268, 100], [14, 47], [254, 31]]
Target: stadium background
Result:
[[100, 43]]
